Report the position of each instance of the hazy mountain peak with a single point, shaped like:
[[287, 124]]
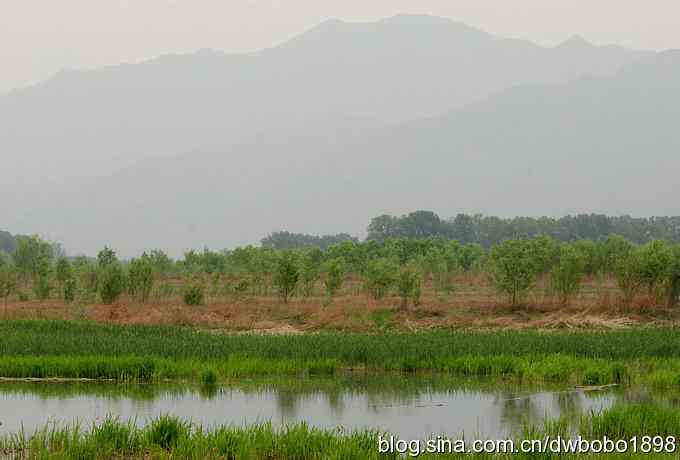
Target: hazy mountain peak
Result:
[[323, 101], [421, 20], [575, 42]]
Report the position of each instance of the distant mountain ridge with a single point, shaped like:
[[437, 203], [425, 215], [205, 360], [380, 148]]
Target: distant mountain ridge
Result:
[[396, 70], [217, 150]]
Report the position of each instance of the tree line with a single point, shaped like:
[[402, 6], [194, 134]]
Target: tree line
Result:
[[389, 267], [490, 230], [288, 240]]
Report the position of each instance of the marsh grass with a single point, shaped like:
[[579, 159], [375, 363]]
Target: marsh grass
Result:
[[626, 421], [170, 437], [46, 349]]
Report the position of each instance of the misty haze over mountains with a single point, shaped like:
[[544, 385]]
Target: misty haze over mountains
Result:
[[344, 122]]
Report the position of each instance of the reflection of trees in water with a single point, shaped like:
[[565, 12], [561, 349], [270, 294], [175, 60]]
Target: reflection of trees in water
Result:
[[570, 404], [336, 402], [516, 410], [287, 402], [110, 390], [379, 391]]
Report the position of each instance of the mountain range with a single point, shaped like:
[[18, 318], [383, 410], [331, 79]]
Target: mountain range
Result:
[[342, 123]]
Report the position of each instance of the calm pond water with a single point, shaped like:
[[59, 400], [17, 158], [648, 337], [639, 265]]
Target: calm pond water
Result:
[[409, 406]]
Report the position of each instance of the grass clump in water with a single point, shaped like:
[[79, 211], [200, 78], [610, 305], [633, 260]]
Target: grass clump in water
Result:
[[208, 377]]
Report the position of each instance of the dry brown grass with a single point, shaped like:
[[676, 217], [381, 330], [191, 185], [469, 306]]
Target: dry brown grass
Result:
[[474, 304]]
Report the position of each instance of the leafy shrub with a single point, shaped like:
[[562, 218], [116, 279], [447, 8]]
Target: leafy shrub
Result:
[[8, 281], [111, 281], [655, 258], [241, 288], [614, 250], [673, 281], [333, 275], [63, 271], [513, 268], [42, 286], [286, 275], [468, 255], [87, 276], [193, 292], [629, 275], [379, 276], [407, 284], [309, 273], [69, 290], [567, 273], [545, 253], [106, 256], [140, 279]]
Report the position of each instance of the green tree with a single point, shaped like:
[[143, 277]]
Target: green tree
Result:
[[8, 280], [673, 282], [469, 255], [513, 268], [567, 273], [111, 282], [630, 275], [106, 256], [309, 273], [408, 284], [30, 255], [545, 253], [259, 267], [286, 275], [161, 263], [63, 272], [86, 274], [379, 276], [439, 267], [42, 286], [333, 275], [140, 278], [70, 290], [615, 248], [656, 258], [110, 276], [590, 253]]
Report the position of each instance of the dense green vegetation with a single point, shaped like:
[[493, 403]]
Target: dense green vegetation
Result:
[[489, 230], [67, 338], [393, 267], [86, 350], [171, 437], [288, 240]]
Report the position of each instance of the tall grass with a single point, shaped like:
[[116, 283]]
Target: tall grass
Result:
[[86, 338], [143, 353], [172, 437]]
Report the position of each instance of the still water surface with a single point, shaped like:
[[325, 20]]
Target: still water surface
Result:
[[409, 406]]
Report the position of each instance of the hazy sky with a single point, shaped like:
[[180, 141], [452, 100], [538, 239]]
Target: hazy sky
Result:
[[38, 37]]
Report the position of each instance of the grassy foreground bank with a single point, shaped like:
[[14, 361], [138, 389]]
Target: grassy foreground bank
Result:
[[44, 349], [171, 437]]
